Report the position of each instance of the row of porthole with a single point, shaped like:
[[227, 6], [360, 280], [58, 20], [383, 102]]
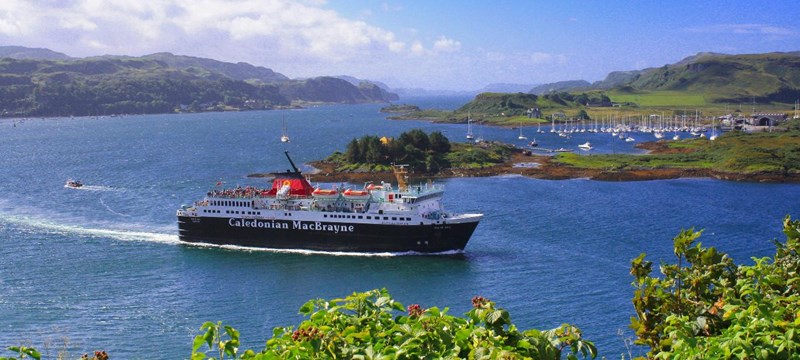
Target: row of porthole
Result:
[[230, 203], [236, 212], [369, 217]]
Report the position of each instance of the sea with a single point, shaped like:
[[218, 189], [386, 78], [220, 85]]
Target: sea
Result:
[[101, 267]]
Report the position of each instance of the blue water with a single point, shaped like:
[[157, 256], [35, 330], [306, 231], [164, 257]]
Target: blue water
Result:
[[102, 267]]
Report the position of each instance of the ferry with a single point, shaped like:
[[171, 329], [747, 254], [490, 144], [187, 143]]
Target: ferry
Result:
[[293, 215]]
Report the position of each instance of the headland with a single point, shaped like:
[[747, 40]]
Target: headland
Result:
[[524, 163]]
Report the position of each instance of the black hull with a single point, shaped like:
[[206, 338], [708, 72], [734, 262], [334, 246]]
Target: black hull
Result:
[[323, 236]]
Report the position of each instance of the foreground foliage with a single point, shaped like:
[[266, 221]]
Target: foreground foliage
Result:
[[367, 326], [706, 307]]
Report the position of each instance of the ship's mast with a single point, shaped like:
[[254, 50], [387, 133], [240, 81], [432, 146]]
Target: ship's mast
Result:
[[296, 170]]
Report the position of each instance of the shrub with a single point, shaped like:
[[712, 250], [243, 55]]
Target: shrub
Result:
[[367, 326], [706, 307]]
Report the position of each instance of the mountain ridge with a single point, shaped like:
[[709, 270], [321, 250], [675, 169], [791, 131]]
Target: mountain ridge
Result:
[[773, 76], [39, 82]]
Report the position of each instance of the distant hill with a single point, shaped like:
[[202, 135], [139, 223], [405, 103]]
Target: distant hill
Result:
[[497, 103], [771, 77], [518, 104], [356, 81], [729, 78], [333, 90], [367, 85], [559, 86], [102, 86], [420, 92], [239, 71], [617, 79], [20, 52], [157, 83], [507, 88]]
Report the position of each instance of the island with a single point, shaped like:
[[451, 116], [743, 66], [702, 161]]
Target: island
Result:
[[734, 156]]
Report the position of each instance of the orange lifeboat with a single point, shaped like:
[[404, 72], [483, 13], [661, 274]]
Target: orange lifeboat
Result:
[[372, 187], [325, 193], [351, 194]]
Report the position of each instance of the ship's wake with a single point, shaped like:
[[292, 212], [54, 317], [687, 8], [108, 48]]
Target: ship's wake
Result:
[[94, 188], [49, 227]]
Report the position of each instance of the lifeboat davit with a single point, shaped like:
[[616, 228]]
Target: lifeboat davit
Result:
[[325, 193], [351, 194]]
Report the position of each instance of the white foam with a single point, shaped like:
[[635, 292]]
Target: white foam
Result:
[[94, 188], [318, 252], [62, 229], [112, 210]]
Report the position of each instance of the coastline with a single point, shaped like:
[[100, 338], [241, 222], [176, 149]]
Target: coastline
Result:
[[542, 167]]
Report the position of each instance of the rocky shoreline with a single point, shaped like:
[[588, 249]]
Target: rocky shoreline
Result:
[[542, 167]]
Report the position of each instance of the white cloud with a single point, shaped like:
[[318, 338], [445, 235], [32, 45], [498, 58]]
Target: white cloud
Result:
[[298, 39], [136, 27], [444, 44], [545, 58], [417, 49], [386, 7], [77, 23]]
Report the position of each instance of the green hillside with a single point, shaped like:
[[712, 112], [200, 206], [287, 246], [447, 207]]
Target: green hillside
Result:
[[117, 86], [772, 77], [158, 83]]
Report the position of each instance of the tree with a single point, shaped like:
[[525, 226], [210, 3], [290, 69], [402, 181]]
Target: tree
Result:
[[439, 143], [374, 151], [353, 152]]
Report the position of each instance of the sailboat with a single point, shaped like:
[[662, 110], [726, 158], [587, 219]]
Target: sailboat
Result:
[[469, 128], [284, 135], [713, 130], [521, 137]]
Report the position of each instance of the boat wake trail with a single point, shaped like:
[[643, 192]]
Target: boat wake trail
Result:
[[94, 188], [112, 210], [38, 225]]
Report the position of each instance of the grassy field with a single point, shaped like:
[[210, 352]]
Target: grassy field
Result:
[[734, 152], [659, 98]]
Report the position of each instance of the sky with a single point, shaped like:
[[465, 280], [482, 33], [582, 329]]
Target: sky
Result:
[[435, 45]]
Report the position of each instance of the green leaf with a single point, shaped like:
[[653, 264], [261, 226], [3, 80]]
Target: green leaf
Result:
[[197, 343], [307, 308], [208, 337]]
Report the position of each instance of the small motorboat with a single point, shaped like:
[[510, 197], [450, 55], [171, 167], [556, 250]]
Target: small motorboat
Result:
[[585, 146], [533, 143], [73, 183]]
